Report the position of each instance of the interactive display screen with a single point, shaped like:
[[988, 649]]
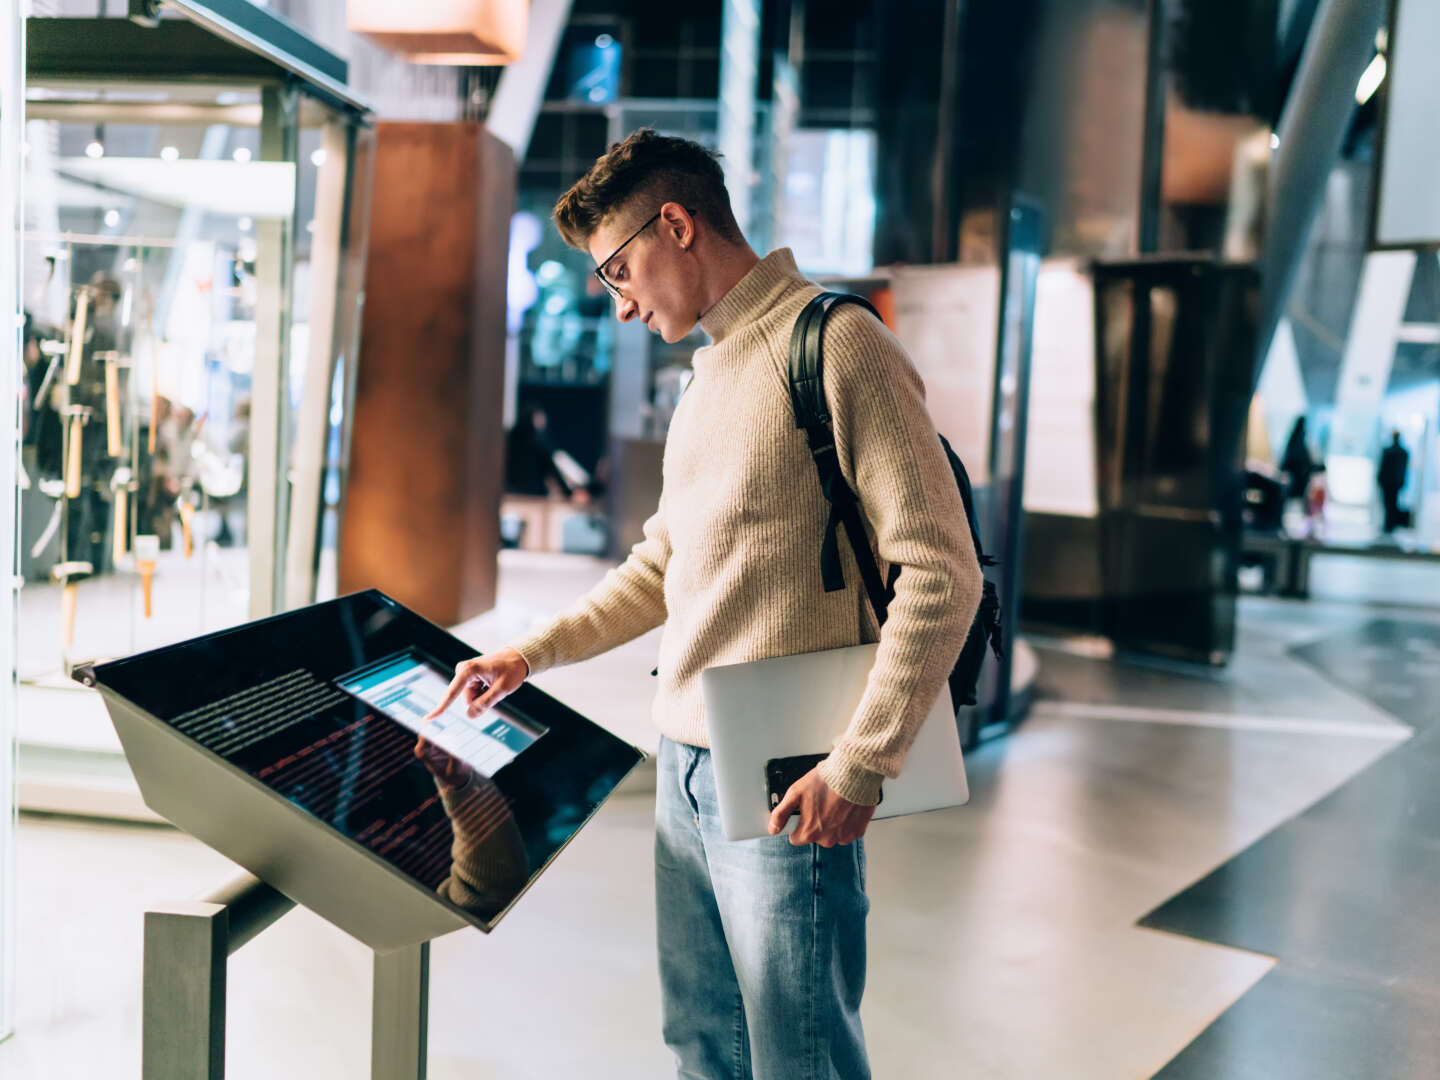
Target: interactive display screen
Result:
[[327, 708], [407, 688]]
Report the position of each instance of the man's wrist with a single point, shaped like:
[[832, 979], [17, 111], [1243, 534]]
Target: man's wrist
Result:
[[529, 667], [850, 780]]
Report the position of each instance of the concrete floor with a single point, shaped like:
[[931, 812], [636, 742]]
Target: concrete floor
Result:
[[1003, 935]]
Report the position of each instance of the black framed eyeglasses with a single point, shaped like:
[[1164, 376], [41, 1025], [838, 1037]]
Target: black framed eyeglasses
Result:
[[599, 271]]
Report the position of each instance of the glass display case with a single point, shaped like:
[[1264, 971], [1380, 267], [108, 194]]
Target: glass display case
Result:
[[194, 240]]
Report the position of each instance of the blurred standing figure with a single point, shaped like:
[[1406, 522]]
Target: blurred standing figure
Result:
[[530, 464], [173, 469], [1297, 461], [1394, 468]]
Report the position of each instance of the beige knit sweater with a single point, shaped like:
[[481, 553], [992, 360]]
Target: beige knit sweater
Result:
[[730, 562]]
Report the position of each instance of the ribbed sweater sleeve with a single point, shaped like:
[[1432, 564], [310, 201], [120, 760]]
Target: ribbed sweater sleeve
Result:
[[488, 861], [891, 455], [628, 602]]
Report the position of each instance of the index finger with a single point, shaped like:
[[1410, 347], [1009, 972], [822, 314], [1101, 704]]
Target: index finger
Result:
[[451, 693]]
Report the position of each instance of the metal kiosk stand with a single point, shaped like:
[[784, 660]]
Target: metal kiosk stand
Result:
[[187, 945], [294, 747]]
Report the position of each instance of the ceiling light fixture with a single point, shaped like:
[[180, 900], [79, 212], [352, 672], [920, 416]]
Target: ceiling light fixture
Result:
[[1370, 81], [459, 32]]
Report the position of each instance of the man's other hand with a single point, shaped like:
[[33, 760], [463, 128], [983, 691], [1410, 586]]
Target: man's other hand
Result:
[[485, 681], [825, 818]]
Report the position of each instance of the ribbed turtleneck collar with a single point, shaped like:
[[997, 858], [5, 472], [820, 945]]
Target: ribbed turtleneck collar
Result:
[[752, 295]]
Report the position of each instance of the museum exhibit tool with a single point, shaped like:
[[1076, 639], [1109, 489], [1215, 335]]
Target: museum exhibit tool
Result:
[[299, 747]]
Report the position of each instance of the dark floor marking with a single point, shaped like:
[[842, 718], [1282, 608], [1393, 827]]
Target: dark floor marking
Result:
[[1344, 895], [1306, 1024], [1393, 662]]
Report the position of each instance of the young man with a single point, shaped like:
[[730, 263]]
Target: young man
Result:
[[762, 943]]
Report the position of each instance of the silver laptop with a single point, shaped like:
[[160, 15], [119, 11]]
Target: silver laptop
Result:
[[793, 705]]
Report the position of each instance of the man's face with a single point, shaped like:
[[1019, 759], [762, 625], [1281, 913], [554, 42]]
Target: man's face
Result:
[[655, 274]]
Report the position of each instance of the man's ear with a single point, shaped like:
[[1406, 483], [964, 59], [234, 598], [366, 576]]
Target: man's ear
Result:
[[678, 224]]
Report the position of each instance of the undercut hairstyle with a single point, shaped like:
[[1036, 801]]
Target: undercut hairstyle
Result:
[[643, 173]]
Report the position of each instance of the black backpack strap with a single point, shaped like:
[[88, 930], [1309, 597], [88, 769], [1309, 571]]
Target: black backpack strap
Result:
[[967, 496], [812, 414]]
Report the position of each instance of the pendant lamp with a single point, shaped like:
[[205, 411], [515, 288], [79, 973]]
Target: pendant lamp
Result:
[[459, 32]]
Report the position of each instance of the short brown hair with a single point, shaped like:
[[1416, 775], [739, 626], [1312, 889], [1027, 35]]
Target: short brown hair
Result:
[[650, 167]]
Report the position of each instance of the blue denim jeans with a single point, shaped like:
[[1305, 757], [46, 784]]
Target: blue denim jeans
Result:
[[762, 944]]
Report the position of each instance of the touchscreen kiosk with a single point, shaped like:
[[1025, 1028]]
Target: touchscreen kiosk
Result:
[[299, 746]]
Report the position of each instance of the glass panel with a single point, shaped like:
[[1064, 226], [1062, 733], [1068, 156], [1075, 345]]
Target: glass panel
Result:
[[829, 202], [178, 321], [142, 289], [335, 163], [11, 112]]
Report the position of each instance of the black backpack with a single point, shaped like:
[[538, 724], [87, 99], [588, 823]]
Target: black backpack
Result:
[[807, 396]]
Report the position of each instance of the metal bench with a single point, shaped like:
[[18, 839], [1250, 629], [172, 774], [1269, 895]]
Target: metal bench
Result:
[[1290, 556]]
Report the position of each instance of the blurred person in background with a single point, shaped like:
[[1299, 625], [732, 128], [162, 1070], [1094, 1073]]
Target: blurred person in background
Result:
[[1297, 461], [1394, 470], [533, 463]]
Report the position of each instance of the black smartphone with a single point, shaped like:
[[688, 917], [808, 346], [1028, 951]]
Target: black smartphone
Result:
[[780, 773]]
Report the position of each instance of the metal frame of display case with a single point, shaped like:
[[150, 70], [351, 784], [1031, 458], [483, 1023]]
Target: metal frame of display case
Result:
[[260, 32]]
